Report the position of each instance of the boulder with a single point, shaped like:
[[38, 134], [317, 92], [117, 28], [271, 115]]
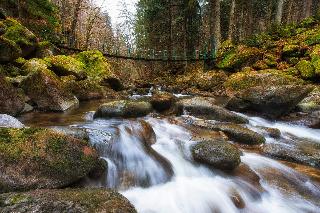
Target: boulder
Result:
[[19, 36], [217, 153], [293, 149], [36, 158], [9, 121], [67, 200], [9, 51], [162, 101], [86, 90], [206, 108], [63, 65], [235, 132], [311, 103], [123, 108], [46, 90], [11, 102], [271, 132], [272, 102]]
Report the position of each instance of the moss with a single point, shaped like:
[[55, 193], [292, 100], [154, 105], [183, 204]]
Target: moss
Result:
[[266, 78], [95, 64], [12, 71], [239, 57], [306, 69], [65, 65], [292, 71], [18, 33], [53, 151], [270, 59], [35, 65], [291, 50], [308, 22]]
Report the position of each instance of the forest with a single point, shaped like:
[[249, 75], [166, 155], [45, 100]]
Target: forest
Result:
[[160, 106]]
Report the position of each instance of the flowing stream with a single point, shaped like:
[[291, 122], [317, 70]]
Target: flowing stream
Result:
[[165, 179], [193, 187]]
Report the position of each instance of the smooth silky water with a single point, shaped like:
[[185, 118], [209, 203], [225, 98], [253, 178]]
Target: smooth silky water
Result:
[[141, 176]]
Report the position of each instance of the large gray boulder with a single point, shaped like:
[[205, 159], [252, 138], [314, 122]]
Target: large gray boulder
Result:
[[207, 108], [272, 102], [217, 153], [123, 109], [66, 200]]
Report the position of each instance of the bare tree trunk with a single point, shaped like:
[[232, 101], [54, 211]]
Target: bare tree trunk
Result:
[[279, 11], [215, 25], [308, 8], [231, 20], [76, 14]]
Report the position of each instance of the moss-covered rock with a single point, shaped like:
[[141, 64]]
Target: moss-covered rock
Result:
[[123, 108], [9, 51], [95, 64], [45, 88], [66, 65], [67, 200], [11, 101], [265, 78], [306, 69], [291, 50], [20, 36], [86, 89], [206, 108], [217, 153], [239, 57], [41, 158], [312, 102]]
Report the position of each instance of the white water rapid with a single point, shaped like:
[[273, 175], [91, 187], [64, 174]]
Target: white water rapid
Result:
[[143, 177]]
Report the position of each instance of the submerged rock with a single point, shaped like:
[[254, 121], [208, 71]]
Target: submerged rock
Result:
[[9, 121], [11, 102], [67, 200], [296, 150], [45, 88], [234, 132], [205, 107], [271, 102], [123, 108], [217, 153], [36, 158]]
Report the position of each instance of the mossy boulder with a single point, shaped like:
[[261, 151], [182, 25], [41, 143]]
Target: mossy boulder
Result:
[[19, 36], [271, 102], [11, 101], [86, 89], [9, 51], [238, 57], [291, 50], [94, 64], [206, 108], [63, 65], [217, 153], [44, 49], [306, 69], [33, 158], [67, 200], [265, 78], [123, 108], [45, 88]]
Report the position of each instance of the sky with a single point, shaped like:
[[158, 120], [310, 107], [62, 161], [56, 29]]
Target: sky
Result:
[[113, 8]]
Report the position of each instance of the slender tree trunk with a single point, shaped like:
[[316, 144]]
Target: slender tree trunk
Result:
[[279, 11], [76, 14], [215, 25], [232, 20], [308, 8]]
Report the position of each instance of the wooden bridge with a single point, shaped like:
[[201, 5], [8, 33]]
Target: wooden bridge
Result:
[[152, 55]]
